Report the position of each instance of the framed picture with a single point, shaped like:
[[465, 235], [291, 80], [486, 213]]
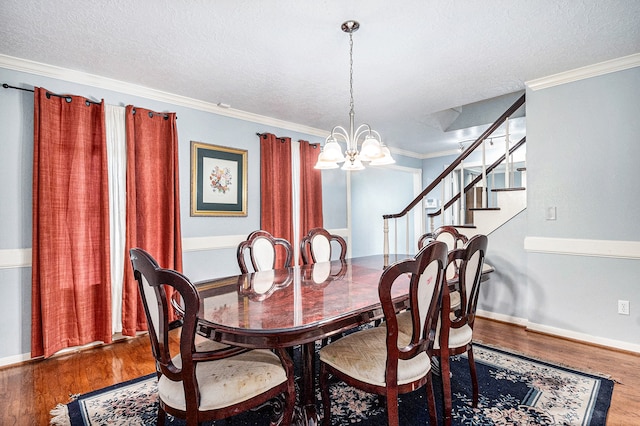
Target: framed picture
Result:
[[218, 180]]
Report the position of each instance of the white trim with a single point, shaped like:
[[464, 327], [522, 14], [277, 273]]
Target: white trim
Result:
[[21, 258], [15, 258], [560, 332], [93, 80], [582, 337], [589, 71], [522, 322], [211, 243], [579, 247], [404, 153], [14, 359]]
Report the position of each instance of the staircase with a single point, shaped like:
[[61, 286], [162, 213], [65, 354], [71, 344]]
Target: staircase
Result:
[[510, 202], [499, 204]]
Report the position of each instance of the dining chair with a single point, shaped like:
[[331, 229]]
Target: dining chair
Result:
[[317, 246], [448, 234], [260, 246], [460, 327], [454, 240], [207, 380], [381, 360]]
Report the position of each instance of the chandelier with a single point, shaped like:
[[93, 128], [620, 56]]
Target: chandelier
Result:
[[372, 149]]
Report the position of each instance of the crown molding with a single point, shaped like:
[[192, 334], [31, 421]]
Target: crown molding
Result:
[[79, 77], [589, 71]]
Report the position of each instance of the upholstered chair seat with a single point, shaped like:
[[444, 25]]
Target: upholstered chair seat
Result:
[[363, 356], [226, 382]]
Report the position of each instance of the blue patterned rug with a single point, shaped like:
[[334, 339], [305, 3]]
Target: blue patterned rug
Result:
[[514, 390]]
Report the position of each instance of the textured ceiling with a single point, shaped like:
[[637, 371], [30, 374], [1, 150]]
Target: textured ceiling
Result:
[[416, 62]]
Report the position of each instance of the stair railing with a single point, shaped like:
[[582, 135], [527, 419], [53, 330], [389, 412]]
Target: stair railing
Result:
[[453, 166]]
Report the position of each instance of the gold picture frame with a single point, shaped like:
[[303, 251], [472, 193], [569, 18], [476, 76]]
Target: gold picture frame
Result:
[[218, 180]]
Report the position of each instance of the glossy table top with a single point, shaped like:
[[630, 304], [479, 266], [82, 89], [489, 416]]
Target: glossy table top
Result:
[[296, 305]]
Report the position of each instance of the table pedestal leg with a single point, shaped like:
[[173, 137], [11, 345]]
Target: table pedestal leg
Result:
[[308, 397]]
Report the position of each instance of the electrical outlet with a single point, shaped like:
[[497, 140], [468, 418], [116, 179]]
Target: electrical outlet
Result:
[[623, 307]]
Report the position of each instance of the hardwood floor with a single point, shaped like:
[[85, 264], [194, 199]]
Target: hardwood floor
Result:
[[30, 390]]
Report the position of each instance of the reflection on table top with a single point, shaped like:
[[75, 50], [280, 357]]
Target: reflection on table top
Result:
[[298, 299]]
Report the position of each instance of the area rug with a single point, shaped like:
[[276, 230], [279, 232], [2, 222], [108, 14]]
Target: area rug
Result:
[[514, 390]]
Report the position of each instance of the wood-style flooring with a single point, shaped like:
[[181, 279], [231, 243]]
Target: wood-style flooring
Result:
[[30, 390]]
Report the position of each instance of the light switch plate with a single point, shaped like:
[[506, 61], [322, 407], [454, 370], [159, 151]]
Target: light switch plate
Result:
[[551, 213]]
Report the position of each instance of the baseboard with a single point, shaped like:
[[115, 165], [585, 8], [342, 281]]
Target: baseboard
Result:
[[560, 332], [522, 322], [584, 338], [14, 359]]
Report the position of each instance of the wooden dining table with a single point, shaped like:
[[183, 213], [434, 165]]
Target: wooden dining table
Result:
[[299, 305]]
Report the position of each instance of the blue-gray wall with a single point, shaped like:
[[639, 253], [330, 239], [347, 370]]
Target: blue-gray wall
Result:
[[583, 146]]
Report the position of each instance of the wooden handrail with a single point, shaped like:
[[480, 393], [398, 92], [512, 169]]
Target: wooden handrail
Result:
[[479, 177], [508, 113]]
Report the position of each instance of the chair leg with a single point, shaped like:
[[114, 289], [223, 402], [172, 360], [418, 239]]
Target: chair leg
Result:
[[290, 401], [161, 416], [392, 408], [431, 401], [326, 401], [474, 377], [446, 387]]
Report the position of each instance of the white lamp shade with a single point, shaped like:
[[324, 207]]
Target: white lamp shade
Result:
[[324, 164], [387, 159], [370, 149], [333, 152], [356, 165]]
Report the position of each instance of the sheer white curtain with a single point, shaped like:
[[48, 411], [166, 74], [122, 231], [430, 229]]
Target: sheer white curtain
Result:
[[117, 163], [295, 185]]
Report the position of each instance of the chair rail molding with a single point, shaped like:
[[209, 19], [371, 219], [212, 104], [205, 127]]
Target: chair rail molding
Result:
[[21, 258], [583, 247], [15, 258]]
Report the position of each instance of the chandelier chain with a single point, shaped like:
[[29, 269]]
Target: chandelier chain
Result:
[[351, 103]]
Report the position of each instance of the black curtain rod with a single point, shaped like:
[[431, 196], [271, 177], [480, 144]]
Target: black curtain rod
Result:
[[49, 94], [6, 86], [315, 145], [152, 113], [264, 135], [87, 101]]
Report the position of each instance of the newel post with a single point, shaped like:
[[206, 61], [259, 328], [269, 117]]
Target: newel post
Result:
[[385, 249]]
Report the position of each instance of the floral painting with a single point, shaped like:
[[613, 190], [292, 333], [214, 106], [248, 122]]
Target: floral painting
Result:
[[218, 180]]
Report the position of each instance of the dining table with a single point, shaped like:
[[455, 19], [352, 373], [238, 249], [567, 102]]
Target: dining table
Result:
[[299, 305]]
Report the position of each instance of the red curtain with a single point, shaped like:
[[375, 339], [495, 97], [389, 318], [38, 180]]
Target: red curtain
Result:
[[310, 188], [71, 290], [276, 199], [153, 202]]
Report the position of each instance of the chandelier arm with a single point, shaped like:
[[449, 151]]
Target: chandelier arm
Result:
[[339, 132], [361, 130]]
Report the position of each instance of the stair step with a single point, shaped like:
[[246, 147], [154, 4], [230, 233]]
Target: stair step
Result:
[[520, 188], [484, 208]]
